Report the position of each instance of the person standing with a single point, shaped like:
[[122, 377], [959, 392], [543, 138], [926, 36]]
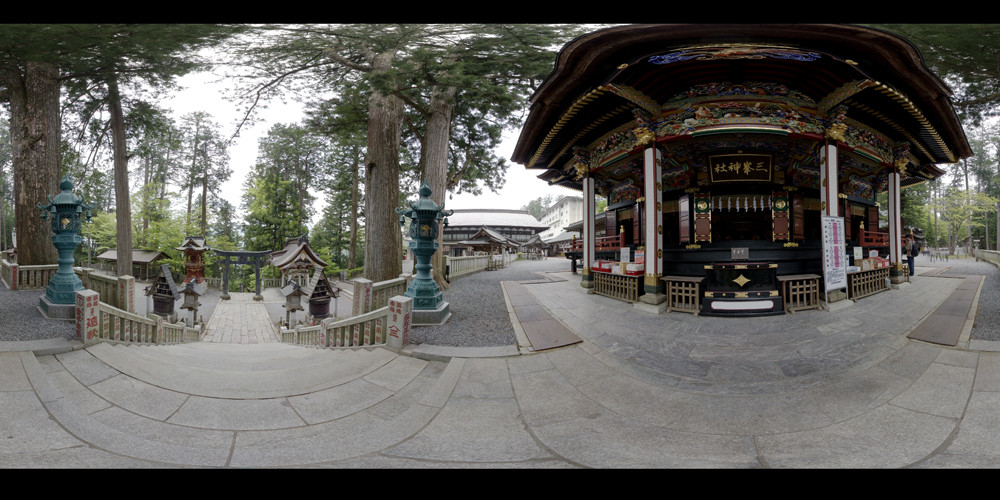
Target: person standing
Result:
[[910, 245]]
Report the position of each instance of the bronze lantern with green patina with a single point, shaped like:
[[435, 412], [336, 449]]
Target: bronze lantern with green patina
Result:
[[66, 211], [425, 218]]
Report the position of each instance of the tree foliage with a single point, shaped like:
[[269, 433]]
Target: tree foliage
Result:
[[460, 84], [967, 56], [278, 198], [101, 66]]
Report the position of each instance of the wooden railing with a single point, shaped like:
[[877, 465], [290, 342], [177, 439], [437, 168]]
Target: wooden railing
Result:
[[460, 266], [110, 288], [618, 286], [865, 283], [365, 330], [368, 296], [873, 239], [991, 256], [97, 321], [388, 325], [384, 290], [114, 290], [602, 243], [7, 274], [18, 277]]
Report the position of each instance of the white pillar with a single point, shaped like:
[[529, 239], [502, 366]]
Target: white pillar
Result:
[[895, 229], [653, 193], [589, 211], [828, 181]]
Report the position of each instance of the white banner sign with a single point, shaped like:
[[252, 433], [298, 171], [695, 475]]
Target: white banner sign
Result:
[[834, 257]]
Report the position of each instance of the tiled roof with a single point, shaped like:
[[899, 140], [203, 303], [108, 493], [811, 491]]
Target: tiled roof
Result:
[[137, 255], [494, 218]]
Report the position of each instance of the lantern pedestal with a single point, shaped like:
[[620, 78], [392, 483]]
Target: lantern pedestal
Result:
[[52, 310], [437, 316]]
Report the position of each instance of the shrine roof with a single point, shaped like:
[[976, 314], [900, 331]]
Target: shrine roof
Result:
[[477, 217], [564, 236], [140, 256], [320, 276], [601, 77], [294, 249], [193, 243]]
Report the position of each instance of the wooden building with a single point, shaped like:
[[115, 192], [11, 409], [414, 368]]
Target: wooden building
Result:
[[490, 230], [296, 260], [737, 157], [142, 262]]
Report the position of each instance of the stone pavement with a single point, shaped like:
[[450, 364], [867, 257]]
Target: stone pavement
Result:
[[241, 320], [806, 390]]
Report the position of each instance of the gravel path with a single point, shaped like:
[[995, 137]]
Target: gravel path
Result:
[[479, 312], [21, 320]]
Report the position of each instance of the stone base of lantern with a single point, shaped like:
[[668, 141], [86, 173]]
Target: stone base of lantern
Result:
[[436, 316], [51, 310]]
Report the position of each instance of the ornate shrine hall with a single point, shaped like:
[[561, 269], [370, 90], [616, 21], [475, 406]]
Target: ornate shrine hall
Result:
[[754, 148]]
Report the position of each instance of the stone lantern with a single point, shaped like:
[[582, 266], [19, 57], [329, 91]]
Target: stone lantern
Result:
[[293, 301], [425, 218], [66, 211], [191, 292]]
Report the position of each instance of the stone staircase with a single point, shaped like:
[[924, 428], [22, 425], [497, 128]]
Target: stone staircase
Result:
[[216, 405]]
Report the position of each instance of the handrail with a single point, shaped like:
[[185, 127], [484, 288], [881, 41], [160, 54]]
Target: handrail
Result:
[[389, 325], [874, 239], [602, 243]]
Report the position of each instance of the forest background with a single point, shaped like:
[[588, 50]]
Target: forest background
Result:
[[383, 107]]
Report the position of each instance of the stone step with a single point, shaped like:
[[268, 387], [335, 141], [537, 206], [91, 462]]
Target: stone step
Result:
[[248, 372], [114, 411]]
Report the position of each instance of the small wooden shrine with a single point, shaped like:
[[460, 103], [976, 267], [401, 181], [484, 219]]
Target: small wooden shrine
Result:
[[296, 259], [165, 293], [319, 292]]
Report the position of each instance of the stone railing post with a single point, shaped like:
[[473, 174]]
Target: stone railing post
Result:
[[400, 319], [160, 334], [86, 316], [126, 293], [13, 276], [362, 296]]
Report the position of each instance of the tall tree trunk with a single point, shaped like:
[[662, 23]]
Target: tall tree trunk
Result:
[[147, 177], [383, 240], [438, 136], [191, 173], [123, 208], [34, 137], [352, 252], [204, 203]]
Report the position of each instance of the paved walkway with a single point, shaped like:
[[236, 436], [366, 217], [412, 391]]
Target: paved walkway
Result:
[[240, 320], [813, 389]]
